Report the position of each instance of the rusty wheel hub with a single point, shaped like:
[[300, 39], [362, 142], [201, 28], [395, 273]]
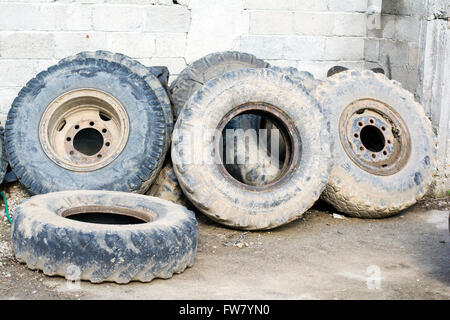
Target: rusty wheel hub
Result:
[[375, 137], [84, 130]]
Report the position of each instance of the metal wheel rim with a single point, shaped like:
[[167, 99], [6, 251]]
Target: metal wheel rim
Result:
[[380, 119], [293, 148], [77, 118]]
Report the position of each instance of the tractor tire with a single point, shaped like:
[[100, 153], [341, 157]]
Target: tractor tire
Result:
[[384, 148], [212, 189], [50, 233]]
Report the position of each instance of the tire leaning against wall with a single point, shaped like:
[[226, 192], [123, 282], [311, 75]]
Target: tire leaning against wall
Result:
[[384, 146], [221, 197], [131, 166]]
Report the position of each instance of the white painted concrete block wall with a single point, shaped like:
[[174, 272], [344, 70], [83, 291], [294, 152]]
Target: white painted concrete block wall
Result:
[[312, 35]]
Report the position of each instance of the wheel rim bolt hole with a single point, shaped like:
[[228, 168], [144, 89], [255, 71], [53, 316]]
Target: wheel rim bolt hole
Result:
[[77, 127], [68, 139], [356, 135], [91, 123], [71, 153], [360, 124], [107, 144], [104, 130]]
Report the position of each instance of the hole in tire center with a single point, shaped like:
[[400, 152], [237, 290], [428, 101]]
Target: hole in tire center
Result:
[[88, 141], [105, 218], [272, 144], [372, 138]]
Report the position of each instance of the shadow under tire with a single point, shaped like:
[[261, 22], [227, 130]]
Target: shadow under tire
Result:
[[45, 238]]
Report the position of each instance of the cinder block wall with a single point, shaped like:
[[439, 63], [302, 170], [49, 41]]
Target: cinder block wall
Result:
[[312, 35]]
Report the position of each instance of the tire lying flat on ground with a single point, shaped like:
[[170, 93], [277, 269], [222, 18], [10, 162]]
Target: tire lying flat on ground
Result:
[[45, 236], [100, 125], [212, 189], [384, 147]]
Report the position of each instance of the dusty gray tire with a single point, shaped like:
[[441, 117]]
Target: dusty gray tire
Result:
[[44, 239], [136, 162], [391, 182], [216, 193], [210, 66]]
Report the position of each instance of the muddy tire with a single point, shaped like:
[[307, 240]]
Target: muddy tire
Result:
[[163, 243], [88, 123], [210, 66], [384, 147], [212, 189]]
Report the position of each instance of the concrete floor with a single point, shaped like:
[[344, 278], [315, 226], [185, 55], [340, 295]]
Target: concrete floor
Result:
[[317, 257]]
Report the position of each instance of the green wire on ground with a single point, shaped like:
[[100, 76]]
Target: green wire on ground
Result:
[[6, 207]]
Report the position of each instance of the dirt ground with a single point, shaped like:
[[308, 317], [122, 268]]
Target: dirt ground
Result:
[[321, 256]]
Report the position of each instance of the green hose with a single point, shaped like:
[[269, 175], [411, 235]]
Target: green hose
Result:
[[6, 207]]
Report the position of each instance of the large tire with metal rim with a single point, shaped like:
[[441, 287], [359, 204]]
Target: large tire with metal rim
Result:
[[87, 123], [208, 184], [155, 238], [384, 147], [204, 69]]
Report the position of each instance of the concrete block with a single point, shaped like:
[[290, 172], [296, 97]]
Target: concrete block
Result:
[[166, 19], [348, 5], [269, 4], [26, 45], [350, 24], [69, 43], [7, 96], [372, 50], [309, 5], [271, 22], [135, 45], [394, 51], [304, 48], [264, 47], [16, 73], [171, 45], [306, 23], [117, 18], [340, 48]]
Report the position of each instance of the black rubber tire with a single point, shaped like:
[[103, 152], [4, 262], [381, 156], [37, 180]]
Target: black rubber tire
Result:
[[221, 198], [156, 78], [355, 191], [204, 69], [43, 239], [139, 162], [3, 160]]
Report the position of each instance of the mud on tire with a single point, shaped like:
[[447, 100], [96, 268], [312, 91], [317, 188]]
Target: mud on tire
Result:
[[384, 147], [45, 238], [135, 102], [210, 66], [216, 193]]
